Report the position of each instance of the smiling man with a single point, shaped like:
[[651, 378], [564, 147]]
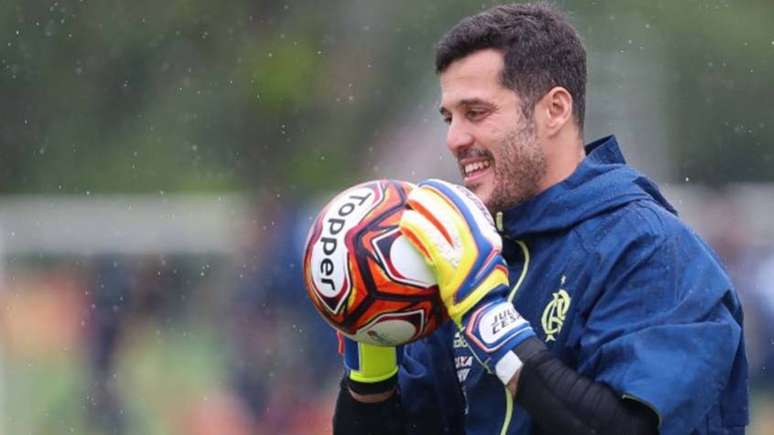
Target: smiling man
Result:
[[613, 317], [492, 132]]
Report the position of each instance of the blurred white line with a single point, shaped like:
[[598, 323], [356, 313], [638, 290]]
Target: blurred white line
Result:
[[131, 224]]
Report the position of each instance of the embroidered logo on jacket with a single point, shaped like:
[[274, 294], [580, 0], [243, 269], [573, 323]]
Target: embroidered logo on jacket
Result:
[[462, 362], [555, 312]]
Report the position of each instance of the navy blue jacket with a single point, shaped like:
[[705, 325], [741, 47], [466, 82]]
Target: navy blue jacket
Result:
[[620, 290]]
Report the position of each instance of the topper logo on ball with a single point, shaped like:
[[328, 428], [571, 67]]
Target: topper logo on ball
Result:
[[329, 255]]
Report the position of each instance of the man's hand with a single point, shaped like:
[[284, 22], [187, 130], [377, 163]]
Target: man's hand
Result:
[[371, 370], [455, 233]]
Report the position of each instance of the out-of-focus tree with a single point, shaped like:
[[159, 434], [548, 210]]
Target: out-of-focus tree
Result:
[[722, 93], [290, 97]]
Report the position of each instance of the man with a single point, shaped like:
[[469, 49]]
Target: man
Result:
[[613, 317]]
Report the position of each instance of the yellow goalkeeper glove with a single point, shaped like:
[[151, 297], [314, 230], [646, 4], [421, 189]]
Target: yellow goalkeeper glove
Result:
[[455, 233], [370, 369]]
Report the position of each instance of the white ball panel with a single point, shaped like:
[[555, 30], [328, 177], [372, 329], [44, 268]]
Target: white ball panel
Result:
[[410, 264], [388, 332]]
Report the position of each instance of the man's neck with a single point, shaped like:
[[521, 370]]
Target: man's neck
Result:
[[563, 157]]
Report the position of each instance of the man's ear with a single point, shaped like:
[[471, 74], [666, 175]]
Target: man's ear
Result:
[[554, 110]]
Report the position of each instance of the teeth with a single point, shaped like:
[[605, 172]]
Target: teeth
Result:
[[475, 166]]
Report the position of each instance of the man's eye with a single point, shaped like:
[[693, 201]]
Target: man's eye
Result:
[[447, 119], [475, 114]]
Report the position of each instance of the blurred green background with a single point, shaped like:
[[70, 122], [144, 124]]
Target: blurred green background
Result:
[[160, 162]]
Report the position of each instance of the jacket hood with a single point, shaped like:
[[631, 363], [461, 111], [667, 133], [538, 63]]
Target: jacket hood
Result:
[[601, 182]]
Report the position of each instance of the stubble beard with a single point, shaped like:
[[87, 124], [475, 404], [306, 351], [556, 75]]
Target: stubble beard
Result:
[[518, 169]]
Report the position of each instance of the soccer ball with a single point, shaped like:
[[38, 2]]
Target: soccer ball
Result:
[[363, 275]]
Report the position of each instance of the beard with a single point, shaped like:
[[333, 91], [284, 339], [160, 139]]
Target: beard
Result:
[[520, 165]]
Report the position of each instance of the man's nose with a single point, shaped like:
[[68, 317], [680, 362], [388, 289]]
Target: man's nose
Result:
[[458, 138]]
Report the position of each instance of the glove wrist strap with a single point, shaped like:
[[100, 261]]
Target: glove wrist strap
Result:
[[492, 330], [371, 364]]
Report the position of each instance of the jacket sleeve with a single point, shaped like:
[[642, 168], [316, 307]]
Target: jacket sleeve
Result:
[[356, 418], [666, 330]]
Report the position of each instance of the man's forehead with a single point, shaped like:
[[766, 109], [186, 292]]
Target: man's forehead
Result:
[[474, 77], [480, 65]]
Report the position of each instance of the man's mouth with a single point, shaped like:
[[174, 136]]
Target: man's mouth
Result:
[[475, 169]]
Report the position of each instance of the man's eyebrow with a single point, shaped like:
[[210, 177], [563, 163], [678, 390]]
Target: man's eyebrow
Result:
[[466, 102]]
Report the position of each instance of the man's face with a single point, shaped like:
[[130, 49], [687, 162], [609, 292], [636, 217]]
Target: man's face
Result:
[[496, 146]]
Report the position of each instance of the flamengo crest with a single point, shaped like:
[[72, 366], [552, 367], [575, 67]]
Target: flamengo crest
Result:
[[555, 312]]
